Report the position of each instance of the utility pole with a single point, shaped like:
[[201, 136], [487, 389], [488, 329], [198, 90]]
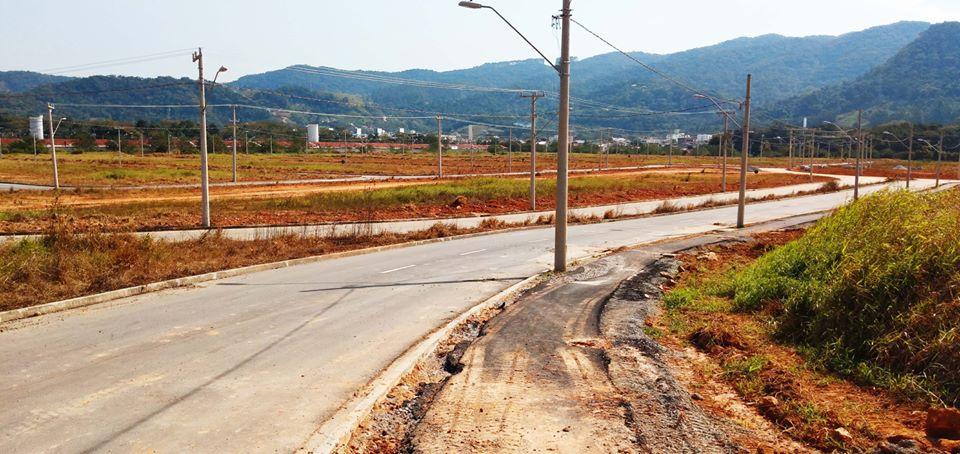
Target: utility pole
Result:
[[204, 177], [741, 207], [723, 152], [939, 158], [53, 147], [856, 178], [169, 150], [533, 146], [141, 144], [119, 143], [234, 144], [560, 232], [440, 147], [670, 154], [813, 149], [910, 157], [510, 153], [271, 143], [790, 151], [246, 143]]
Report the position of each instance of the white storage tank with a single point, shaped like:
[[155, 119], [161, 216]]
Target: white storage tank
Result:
[[313, 133], [36, 127]]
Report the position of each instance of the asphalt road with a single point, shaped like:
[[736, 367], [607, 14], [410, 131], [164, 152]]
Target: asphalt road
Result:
[[256, 363]]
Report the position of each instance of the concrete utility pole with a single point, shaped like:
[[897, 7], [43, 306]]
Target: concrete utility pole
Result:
[[856, 178], [533, 146], [563, 149], [790, 151], [169, 150], [723, 152], [246, 143], [53, 147], [563, 141], [141, 143], [510, 153], [440, 147], [813, 150], [204, 177], [741, 206], [119, 143], [910, 157], [939, 158], [234, 144], [204, 174]]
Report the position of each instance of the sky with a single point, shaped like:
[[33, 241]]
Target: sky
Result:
[[249, 36]]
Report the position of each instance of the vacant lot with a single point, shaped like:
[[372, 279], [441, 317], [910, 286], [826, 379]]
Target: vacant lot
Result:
[[112, 210], [114, 169]]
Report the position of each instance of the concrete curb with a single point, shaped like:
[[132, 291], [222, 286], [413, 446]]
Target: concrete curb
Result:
[[90, 300], [337, 430]]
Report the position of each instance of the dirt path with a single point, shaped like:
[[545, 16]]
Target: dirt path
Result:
[[569, 369]]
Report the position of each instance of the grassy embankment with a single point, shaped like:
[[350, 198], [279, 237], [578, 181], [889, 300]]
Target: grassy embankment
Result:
[[869, 294]]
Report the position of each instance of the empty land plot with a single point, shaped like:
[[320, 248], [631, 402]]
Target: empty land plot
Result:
[[115, 169], [110, 210]]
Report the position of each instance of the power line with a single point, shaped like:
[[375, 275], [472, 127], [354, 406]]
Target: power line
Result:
[[116, 62]]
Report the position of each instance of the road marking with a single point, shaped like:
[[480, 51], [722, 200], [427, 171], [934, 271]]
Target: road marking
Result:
[[472, 252], [397, 269], [537, 241]]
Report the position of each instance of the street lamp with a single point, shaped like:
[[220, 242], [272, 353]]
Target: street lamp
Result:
[[859, 140], [563, 128], [204, 174], [939, 157], [909, 154]]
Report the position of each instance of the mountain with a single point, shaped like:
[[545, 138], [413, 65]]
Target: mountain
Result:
[[20, 81], [919, 83], [782, 67], [609, 90], [91, 97]]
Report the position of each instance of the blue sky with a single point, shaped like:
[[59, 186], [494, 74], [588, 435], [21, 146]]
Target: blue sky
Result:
[[253, 36]]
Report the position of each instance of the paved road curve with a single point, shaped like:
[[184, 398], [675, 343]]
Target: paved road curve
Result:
[[256, 363]]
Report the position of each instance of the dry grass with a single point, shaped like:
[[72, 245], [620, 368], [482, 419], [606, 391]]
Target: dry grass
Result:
[[63, 264]]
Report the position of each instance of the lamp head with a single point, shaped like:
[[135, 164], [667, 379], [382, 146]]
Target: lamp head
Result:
[[471, 5]]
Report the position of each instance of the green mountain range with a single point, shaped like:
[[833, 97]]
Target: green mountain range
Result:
[[920, 83], [892, 71]]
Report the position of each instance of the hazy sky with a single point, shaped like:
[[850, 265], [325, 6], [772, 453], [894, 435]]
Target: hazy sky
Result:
[[251, 36]]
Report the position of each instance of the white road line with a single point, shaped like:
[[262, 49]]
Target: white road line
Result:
[[472, 252], [538, 241], [397, 269]]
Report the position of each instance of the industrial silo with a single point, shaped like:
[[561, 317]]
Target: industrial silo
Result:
[[313, 133]]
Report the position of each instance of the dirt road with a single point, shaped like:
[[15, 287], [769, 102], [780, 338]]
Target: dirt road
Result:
[[570, 368]]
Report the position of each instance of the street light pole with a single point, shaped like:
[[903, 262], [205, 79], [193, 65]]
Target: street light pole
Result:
[[234, 144], [860, 150], [204, 174], [723, 152], [204, 178], [533, 147], [560, 237], [741, 206], [563, 145], [440, 147], [53, 147]]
